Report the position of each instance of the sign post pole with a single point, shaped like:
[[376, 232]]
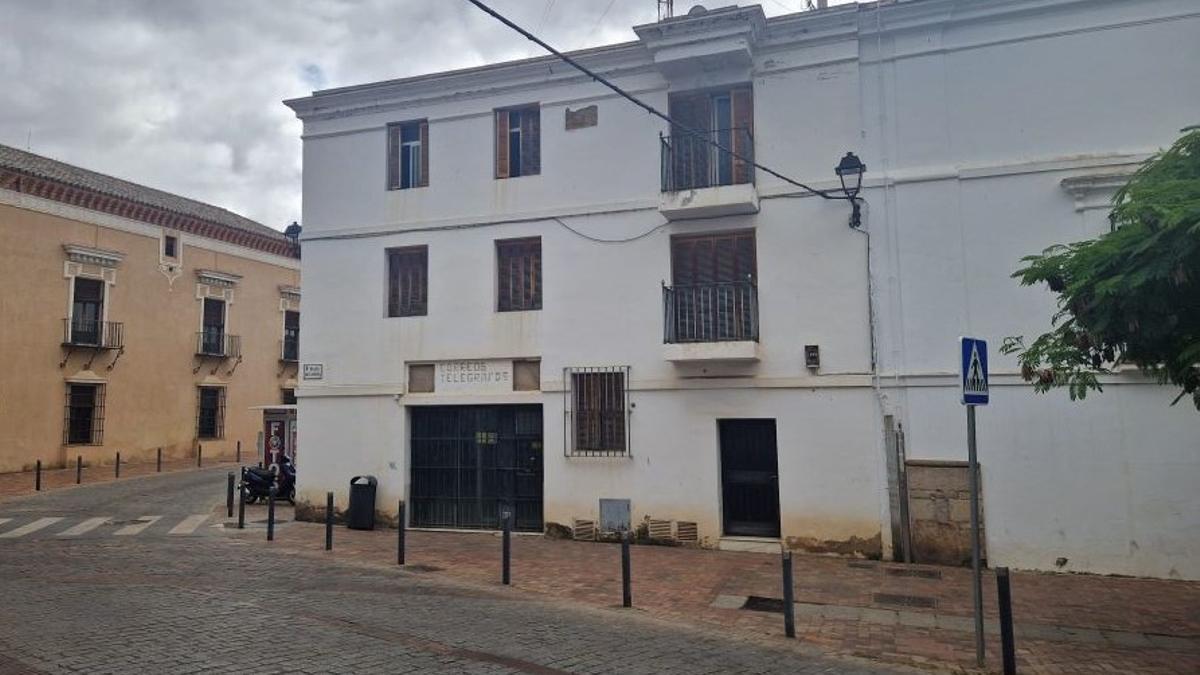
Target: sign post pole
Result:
[[973, 379]]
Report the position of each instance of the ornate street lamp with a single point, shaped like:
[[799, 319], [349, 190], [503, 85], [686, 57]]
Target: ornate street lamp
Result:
[[850, 170], [293, 233]]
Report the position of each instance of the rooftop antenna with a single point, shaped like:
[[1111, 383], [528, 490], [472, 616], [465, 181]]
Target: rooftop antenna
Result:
[[666, 9]]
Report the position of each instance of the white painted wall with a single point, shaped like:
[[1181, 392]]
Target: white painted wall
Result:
[[968, 124]]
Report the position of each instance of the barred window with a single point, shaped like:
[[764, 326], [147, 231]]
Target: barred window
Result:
[[84, 424], [598, 408], [519, 267], [408, 281], [210, 415]]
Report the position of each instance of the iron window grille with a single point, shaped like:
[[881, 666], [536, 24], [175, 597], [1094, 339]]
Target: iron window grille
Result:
[[98, 334], [597, 409], [714, 312], [692, 161], [84, 416], [215, 343], [408, 281], [210, 413], [519, 274]]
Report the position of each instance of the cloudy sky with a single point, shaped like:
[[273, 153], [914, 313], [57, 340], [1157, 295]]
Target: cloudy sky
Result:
[[184, 95]]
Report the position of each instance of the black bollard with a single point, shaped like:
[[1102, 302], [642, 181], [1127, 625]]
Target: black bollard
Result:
[[78, 469], [239, 452], [37, 477], [1007, 647], [626, 590], [242, 501], [400, 534], [159, 463], [271, 516], [229, 496], [506, 575], [199, 455], [789, 597], [117, 466], [328, 521]]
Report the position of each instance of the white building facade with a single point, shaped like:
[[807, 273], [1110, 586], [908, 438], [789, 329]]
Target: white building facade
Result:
[[525, 294]]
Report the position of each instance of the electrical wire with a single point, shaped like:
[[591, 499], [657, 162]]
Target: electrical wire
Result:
[[626, 240], [647, 107], [603, 14]]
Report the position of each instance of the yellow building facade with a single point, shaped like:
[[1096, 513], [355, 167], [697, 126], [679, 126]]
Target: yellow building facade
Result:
[[135, 320]]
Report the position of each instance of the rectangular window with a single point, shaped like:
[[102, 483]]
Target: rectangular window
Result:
[[714, 296], [287, 396], [84, 415], [212, 334], [291, 336], [519, 282], [408, 281], [87, 311], [599, 410], [408, 155], [210, 416], [518, 142], [170, 244], [713, 127]]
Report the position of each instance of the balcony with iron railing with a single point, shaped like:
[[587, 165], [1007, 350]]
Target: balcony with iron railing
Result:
[[702, 178], [714, 321], [93, 334], [217, 344]]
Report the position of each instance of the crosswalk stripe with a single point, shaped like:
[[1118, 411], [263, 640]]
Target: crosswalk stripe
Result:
[[136, 528], [188, 525], [31, 527], [84, 527]]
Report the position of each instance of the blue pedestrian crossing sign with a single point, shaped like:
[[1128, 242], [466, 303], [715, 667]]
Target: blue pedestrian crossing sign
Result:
[[973, 371]]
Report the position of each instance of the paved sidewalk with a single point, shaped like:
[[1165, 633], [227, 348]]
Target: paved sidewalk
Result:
[[907, 614], [23, 482]]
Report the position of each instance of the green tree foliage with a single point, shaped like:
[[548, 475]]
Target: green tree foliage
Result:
[[1130, 296]]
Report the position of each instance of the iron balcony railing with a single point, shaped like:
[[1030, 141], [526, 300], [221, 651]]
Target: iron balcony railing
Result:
[[716, 312], [216, 343], [691, 161], [96, 334], [290, 349]]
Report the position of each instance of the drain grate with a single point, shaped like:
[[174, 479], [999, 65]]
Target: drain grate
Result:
[[920, 574], [904, 600], [757, 603]]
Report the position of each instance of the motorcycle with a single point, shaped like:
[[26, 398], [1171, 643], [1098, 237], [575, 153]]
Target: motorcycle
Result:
[[257, 483]]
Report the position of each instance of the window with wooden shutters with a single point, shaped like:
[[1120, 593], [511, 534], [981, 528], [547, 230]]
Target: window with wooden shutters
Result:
[[408, 281], [84, 424], [408, 155], [518, 142], [714, 294], [715, 129], [519, 278], [598, 409]]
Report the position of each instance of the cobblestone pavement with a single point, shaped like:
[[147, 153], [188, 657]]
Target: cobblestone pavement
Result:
[[1064, 623], [23, 482], [211, 601]]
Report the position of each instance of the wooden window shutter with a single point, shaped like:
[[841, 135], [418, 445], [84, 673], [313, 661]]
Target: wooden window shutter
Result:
[[743, 137], [424, 131], [393, 156], [531, 141], [501, 144]]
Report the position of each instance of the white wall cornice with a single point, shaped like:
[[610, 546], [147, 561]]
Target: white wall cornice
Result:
[[93, 256], [215, 278]]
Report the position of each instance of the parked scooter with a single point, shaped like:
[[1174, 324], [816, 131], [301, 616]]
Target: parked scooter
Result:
[[257, 483]]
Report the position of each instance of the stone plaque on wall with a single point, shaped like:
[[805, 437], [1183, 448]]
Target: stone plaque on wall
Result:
[[480, 376], [584, 117]]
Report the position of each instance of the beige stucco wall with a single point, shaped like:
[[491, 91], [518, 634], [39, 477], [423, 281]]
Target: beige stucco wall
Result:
[[150, 392]]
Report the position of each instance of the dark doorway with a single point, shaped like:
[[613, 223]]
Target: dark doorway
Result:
[[749, 478], [469, 463], [87, 311]]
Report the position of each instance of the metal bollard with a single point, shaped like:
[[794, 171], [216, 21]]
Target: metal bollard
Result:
[[78, 469], [199, 455], [159, 463], [37, 477], [239, 452], [626, 590], [328, 521], [1007, 646], [789, 597], [117, 468], [271, 516], [242, 501], [506, 575], [229, 496], [400, 534]]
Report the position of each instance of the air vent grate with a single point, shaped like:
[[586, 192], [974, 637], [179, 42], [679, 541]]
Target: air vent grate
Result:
[[687, 531], [660, 529], [584, 530]]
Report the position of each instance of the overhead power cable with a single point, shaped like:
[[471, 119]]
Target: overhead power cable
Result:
[[647, 107]]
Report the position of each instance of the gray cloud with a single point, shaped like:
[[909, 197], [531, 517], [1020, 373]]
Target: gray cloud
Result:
[[185, 95]]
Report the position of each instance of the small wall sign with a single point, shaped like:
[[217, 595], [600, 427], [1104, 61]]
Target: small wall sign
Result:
[[314, 371], [479, 376]]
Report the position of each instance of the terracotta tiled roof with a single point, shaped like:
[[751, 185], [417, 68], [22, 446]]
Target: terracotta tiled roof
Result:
[[43, 167]]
